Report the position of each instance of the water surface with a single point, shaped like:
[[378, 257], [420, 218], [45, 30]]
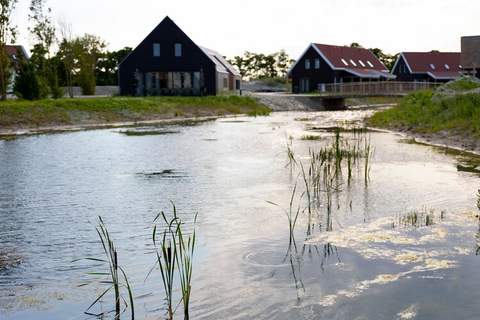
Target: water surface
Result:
[[54, 187]]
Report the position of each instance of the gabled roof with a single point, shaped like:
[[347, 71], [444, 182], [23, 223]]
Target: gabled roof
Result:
[[354, 57], [221, 64], [357, 61], [438, 65]]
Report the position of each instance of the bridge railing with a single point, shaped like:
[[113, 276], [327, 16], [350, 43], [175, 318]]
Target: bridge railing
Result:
[[374, 88]]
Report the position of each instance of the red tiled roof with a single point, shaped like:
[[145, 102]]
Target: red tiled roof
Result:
[[433, 62], [355, 58]]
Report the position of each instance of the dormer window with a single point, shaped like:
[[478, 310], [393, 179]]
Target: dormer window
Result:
[[307, 64], [432, 66], [353, 63], [369, 63], [156, 49], [361, 63], [345, 62], [178, 49], [447, 67]]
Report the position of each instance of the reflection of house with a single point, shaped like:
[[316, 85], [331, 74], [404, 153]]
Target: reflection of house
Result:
[[16, 54], [323, 64], [168, 62], [470, 58], [431, 66]]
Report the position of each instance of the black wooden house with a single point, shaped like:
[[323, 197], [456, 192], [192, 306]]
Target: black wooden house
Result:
[[168, 62], [322, 64]]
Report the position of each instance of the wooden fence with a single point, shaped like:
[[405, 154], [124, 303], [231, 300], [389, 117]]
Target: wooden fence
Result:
[[380, 88]]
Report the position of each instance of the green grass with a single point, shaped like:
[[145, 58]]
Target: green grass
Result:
[[423, 112], [463, 84], [21, 113]]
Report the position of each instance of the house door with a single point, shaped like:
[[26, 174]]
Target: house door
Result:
[[304, 85]]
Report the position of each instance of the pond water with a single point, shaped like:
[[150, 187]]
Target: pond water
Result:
[[372, 263]]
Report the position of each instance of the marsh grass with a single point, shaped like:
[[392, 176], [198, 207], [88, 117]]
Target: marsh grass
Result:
[[117, 277], [310, 137], [418, 218], [174, 252]]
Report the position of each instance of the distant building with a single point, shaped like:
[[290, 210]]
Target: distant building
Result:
[[322, 64], [16, 53], [431, 66], [470, 57], [168, 62]]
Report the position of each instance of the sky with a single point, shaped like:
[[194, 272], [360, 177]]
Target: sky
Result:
[[266, 26]]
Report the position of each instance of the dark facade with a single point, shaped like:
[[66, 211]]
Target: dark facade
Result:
[[470, 58], [155, 68]]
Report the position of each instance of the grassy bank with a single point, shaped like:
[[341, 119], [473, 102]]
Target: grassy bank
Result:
[[44, 113], [427, 112]]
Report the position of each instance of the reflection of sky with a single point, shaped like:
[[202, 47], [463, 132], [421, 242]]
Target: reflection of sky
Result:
[[59, 184]]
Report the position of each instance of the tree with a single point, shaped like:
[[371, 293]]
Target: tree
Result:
[[8, 33], [66, 55], [43, 31], [27, 83], [107, 67], [258, 65], [87, 51]]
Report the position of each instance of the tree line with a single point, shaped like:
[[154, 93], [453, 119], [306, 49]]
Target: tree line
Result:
[[58, 59]]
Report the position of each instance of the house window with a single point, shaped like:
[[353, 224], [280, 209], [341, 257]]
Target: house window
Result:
[[156, 49], [447, 67], [307, 64], [225, 83], [317, 63], [369, 63], [361, 63], [345, 62], [432, 66], [353, 63], [178, 49]]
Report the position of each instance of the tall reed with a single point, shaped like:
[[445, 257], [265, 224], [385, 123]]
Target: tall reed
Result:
[[174, 252], [116, 274]]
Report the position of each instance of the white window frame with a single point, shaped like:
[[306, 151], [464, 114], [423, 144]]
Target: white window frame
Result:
[[157, 50], [178, 50], [432, 66], [353, 62], [369, 63], [361, 63], [345, 62], [447, 66]]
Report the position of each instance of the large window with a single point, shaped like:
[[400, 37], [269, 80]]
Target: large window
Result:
[[156, 49], [178, 49]]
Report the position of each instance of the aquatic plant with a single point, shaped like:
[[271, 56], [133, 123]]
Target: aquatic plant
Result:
[[418, 218], [478, 199], [174, 253], [292, 215], [310, 137], [117, 276], [292, 161]]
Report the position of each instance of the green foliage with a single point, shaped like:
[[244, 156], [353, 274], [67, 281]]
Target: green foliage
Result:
[[8, 32], [87, 51], [462, 84], [28, 85], [107, 67], [258, 65], [424, 112]]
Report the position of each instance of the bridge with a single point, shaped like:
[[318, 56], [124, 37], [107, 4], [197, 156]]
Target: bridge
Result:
[[333, 95]]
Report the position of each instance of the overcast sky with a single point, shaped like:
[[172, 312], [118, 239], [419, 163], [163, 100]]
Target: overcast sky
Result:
[[232, 27]]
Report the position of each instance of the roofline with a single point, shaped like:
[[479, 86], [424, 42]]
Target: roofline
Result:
[[443, 78], [401, 56]]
